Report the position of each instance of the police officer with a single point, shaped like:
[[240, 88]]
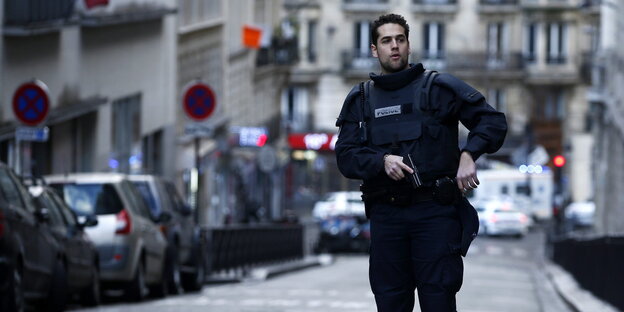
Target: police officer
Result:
[[399, 134]]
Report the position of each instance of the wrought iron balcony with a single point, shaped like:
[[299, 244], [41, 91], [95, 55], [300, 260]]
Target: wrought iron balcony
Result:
[[551, 4], [366, 5], [478, 61], [24, 17], [497, 6], [434, 6], [498, 2], [280, 52], [356, 63]]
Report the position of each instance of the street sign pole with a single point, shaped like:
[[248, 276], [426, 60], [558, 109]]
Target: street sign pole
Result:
[[199, 103], [197, 163], [18, 156], [31, 105]]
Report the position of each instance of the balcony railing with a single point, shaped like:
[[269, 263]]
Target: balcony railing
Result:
[[280, 52], [366, 5], [434, 2], [359, 63], [498, 2], [498, 6], [434, 6], [551, 4], [471, 61], [36, 14]]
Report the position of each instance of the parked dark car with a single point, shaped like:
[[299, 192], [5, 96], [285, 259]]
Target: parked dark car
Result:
[[341, 233], [185, 260], [80, 255], [32, 265]]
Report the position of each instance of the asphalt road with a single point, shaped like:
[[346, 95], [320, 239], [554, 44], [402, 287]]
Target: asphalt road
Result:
[[501, 274]]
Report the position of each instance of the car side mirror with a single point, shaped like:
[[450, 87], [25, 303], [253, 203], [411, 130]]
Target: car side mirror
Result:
[[164, 217], [42, 215]]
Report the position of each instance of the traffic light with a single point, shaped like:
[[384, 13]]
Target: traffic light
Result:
[[559, 161]]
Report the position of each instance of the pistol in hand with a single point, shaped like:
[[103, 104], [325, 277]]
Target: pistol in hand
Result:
[[414, 178]]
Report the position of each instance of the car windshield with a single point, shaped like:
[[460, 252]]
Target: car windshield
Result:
[[148, 197], [88, 199]]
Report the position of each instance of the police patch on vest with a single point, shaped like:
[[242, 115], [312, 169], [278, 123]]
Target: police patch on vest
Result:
[[387, 111]]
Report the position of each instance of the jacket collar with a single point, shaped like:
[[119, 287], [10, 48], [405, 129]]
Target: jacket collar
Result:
[[398, 80]]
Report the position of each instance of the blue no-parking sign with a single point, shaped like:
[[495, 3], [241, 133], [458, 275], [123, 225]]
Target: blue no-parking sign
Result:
[[31, 103], [199, 101]]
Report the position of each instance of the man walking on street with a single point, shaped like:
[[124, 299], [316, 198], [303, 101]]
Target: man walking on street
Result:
[[399, 134]]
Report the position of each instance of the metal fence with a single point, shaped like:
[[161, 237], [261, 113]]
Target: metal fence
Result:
[[596, 264], [243, 247]]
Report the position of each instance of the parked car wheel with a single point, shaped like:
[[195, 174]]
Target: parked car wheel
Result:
[[161, 289], [195, 281], [92, 295], [174, 277], [137, 289], [14, 299], [58, 292]]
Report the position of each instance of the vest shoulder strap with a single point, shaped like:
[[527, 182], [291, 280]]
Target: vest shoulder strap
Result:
[[429, 76]]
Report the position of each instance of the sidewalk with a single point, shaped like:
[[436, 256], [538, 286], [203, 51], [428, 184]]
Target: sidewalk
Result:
[[579, 299], [268, 271]]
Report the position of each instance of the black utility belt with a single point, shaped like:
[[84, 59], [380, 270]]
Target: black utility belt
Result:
[[444, 191]]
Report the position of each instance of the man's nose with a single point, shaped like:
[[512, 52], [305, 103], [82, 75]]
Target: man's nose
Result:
[[394, 44]]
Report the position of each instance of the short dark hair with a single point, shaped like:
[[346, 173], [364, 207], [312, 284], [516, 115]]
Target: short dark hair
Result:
[[388, 19]]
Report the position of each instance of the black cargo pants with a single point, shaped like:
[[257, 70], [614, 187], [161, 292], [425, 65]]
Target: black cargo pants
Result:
[[415, 247]]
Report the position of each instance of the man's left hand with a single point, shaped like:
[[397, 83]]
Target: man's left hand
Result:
[[467, 173]]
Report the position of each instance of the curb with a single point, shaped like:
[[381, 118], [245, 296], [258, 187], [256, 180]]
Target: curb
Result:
[[263, 273], [579, 299]]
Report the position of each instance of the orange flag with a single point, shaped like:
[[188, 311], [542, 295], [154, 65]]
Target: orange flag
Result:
[[251, 36]]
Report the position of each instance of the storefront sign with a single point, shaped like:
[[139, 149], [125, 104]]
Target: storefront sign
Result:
[[313, 141]]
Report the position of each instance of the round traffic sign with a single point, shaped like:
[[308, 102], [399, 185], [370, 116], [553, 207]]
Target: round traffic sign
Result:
[[31, 103], [199, 101]]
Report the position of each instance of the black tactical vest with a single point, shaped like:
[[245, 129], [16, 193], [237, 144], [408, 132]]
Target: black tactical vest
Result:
[[402, 121]]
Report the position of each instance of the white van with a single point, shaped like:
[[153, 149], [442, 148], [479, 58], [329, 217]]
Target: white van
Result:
[[511, 183]]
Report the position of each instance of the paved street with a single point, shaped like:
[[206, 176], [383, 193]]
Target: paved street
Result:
[[501, 275]]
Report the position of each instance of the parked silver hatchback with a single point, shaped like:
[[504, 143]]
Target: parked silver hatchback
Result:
[[130, 245]]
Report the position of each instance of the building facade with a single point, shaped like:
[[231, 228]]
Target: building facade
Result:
[[117, 71], [105, 64], [528, 57], [606, 98], [241, 172]]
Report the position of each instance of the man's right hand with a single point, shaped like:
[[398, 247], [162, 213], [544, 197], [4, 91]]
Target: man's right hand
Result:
[[394, 167]]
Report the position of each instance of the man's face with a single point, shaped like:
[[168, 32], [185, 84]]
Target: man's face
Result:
[[392, 48]]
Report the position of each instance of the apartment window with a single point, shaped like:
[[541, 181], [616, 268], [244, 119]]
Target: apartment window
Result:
[[496, 40], [312, 25], [530, 42], [295, 108], [126, 133], [556, 45], [496, 98], [198, 11], [552, 106], [362, 39], [555, 106], [433, 34]]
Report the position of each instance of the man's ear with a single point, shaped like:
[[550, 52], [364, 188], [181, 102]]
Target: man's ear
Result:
[[374, 50]]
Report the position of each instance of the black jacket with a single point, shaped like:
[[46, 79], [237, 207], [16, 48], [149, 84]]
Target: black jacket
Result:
[[450, 101]]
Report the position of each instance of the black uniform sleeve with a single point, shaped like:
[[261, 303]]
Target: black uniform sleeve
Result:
[[356, 160], [487, 126]]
